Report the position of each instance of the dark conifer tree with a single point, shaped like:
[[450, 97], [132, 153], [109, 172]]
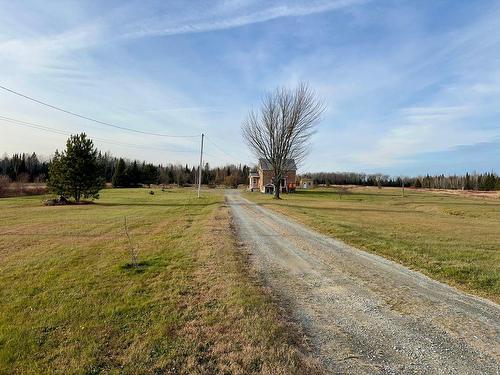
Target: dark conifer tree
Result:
[[76, 172], [119, 178]]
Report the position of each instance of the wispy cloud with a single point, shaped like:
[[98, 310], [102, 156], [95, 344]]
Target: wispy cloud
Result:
[[433, 114], [61, 56], [184, 109], [420, 130], [236, 17]]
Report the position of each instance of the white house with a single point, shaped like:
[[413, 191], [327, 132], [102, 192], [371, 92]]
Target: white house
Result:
[[253, 181]]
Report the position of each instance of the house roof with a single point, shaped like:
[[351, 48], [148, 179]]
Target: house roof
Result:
[[266, 166], [254, 174]]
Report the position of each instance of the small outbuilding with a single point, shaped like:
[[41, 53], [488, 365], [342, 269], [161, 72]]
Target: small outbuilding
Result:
[[306, 183]]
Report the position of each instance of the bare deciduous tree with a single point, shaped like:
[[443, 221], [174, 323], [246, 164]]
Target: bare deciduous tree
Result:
[[343, 190], [282, 128], [131, 247], [4, 185]]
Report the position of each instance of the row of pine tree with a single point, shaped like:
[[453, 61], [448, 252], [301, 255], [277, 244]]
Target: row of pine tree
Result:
[[122, 172]]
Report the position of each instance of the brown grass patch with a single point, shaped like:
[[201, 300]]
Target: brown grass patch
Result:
[[236, 329]]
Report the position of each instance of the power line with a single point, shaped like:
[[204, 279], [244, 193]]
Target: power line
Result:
[[222, 150], [103, 140], [57, 131], [93, 119]]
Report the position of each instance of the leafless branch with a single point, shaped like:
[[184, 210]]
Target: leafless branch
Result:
[[132, 248], [281, 129]]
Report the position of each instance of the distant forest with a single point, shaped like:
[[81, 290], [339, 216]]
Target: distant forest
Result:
[[123, 172], [127, 173], [469, 181]]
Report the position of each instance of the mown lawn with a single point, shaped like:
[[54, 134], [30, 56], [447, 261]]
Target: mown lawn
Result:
[[71, 302], [455, 239]]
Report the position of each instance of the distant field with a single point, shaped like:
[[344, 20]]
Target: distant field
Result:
[[71, 302], [452, 238], [17, 189]]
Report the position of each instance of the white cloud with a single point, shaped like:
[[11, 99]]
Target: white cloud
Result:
[[48, 50], [422, 130], [184, 109], [235, 17]]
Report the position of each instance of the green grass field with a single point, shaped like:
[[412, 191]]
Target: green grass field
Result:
[[71, 302], [452, 238]]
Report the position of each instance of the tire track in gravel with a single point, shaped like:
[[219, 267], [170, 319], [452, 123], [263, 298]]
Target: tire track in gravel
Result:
[[362, 313]]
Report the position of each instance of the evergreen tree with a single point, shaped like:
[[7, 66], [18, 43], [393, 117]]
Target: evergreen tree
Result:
[[206, 175], [150, 174], [467, 183], [119, 177], [171, 174], [75, 172], [133, 173]]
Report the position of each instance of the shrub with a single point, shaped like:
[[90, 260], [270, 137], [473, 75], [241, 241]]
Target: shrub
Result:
[[4, 185]]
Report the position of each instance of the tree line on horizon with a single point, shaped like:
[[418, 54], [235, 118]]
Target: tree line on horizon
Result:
[[122, 172], [469, 181], [24, 167], [129, 173]]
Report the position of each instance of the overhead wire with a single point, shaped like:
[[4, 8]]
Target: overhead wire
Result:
[[91, 118], [88, 118], [103, 140], [223, 151]]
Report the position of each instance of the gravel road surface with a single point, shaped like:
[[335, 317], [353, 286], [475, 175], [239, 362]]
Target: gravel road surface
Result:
[[364, 314]]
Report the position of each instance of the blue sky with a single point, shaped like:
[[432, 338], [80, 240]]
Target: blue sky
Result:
[[411, 87]]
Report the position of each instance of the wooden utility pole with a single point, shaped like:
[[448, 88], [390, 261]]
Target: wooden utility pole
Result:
[[201, 163]]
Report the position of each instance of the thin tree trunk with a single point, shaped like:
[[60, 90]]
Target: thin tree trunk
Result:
[[277, 191], [277, 184]]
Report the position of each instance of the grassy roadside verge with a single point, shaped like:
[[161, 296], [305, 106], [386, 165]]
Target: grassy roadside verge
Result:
[[451, 238], [71, 303]]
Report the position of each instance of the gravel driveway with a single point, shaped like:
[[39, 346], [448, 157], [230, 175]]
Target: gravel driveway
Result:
[[364, 314]]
